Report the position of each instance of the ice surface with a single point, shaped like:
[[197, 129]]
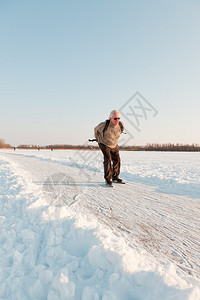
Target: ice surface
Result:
[[65, 236]]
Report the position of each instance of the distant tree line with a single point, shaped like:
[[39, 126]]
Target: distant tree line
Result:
[[148, 147], [72, 147], [3, 144], [164, 147], [24, 146]]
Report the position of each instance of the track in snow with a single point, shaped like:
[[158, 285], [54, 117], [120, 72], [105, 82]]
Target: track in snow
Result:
[[166, 225]]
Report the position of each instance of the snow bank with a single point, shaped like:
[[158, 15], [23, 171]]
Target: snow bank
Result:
[[58, 252]]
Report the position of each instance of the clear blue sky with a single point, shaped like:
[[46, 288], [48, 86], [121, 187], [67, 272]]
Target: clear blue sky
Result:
[[64, 65]]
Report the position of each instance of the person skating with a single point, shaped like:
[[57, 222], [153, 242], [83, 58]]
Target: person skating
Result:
[[107, 134]]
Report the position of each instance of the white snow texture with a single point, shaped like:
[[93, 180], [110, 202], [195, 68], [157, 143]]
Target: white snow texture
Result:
[[65, 235]]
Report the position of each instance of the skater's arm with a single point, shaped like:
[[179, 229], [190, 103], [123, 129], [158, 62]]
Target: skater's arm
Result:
[[122, 126], [98, 130]]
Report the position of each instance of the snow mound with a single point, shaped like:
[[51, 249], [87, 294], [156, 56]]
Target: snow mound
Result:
[[59, 252]]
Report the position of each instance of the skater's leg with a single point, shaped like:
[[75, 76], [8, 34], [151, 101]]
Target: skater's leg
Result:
[[116, 162], [107, 161]]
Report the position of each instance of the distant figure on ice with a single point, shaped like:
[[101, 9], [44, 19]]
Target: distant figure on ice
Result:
[[107, 134]]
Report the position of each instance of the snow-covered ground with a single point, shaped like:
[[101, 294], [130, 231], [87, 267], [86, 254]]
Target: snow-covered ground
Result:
[[65, 235]]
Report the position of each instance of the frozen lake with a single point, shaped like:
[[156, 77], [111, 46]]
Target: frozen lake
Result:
[[151, 224]]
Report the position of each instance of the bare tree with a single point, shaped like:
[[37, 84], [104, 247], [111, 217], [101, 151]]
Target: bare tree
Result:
[[3, 145]]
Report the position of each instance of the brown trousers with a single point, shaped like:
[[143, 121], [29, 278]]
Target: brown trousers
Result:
[[111, 161]]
